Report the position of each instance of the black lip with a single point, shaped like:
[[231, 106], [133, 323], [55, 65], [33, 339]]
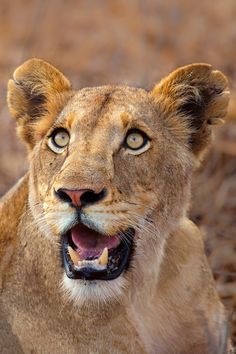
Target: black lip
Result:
[[124, 250]]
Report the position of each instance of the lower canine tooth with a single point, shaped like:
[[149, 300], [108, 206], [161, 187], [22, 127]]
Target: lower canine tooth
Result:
[[103, 259], [73, 255]]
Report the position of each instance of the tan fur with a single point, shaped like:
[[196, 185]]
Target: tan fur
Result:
[[166, 303]]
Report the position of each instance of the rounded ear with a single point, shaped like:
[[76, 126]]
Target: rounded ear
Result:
[[192, 99], [36, 95]]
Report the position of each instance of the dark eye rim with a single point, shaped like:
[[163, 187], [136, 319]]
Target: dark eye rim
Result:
[[135, 130], [54, 133]]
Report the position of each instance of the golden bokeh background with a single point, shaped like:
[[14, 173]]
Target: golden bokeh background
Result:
[[134, 42]]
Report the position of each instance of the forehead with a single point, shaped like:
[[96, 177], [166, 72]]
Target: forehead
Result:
[[112, 106]]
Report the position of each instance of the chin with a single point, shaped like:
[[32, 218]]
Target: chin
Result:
[[94, 292]]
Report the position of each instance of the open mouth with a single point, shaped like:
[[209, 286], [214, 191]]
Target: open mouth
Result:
[[90, 255]]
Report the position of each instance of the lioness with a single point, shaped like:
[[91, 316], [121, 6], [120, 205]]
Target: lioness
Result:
[[97, 254]]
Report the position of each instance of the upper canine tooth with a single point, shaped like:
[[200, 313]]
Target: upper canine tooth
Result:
[[103, 259], [73, 255]]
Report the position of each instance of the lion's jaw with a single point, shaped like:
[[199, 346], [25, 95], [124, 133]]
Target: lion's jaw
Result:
[[143, 270]]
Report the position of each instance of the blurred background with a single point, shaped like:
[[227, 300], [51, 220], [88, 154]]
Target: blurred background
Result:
[[135, 42]]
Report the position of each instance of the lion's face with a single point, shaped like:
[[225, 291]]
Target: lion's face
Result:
[[110, 168], [114, 186]]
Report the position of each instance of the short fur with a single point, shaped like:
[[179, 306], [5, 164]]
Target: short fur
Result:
[[166, 302]]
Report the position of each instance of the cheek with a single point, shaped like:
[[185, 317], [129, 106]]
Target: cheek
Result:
[[136, 172], [45, 167], [157, 179]]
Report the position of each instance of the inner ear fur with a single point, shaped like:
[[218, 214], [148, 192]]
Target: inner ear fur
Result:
[[191, 100], [36, 95]]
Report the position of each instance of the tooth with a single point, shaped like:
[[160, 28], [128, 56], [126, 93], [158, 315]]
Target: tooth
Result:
[[103, 259], [73, 255]]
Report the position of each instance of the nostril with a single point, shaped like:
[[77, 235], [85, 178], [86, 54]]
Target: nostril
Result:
[[63, 196], [91, 197], [80, 197]]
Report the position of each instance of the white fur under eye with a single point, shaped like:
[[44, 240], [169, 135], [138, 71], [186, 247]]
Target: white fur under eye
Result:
[[141, 150]]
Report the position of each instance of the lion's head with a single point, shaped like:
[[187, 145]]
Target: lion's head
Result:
[[110, 166]]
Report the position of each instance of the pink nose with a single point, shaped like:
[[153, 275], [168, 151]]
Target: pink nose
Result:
[[76, 195], [80, 197]]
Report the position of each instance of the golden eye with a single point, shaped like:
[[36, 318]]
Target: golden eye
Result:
[[58, 140], [137, 142], [134, 141]]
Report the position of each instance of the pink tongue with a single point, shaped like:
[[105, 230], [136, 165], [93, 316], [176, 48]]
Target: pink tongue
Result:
[[90, 243]]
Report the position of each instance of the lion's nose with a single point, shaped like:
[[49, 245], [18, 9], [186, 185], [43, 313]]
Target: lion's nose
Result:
[[81, 197]]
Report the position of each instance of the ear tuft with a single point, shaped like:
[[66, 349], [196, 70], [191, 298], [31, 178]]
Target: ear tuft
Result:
[[192, 99], [36, 92]]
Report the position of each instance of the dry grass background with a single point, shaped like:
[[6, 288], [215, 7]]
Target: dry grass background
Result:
[[134, 42]]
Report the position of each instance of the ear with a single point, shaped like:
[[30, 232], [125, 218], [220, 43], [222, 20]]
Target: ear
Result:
[[191, 100], [36, 95]]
